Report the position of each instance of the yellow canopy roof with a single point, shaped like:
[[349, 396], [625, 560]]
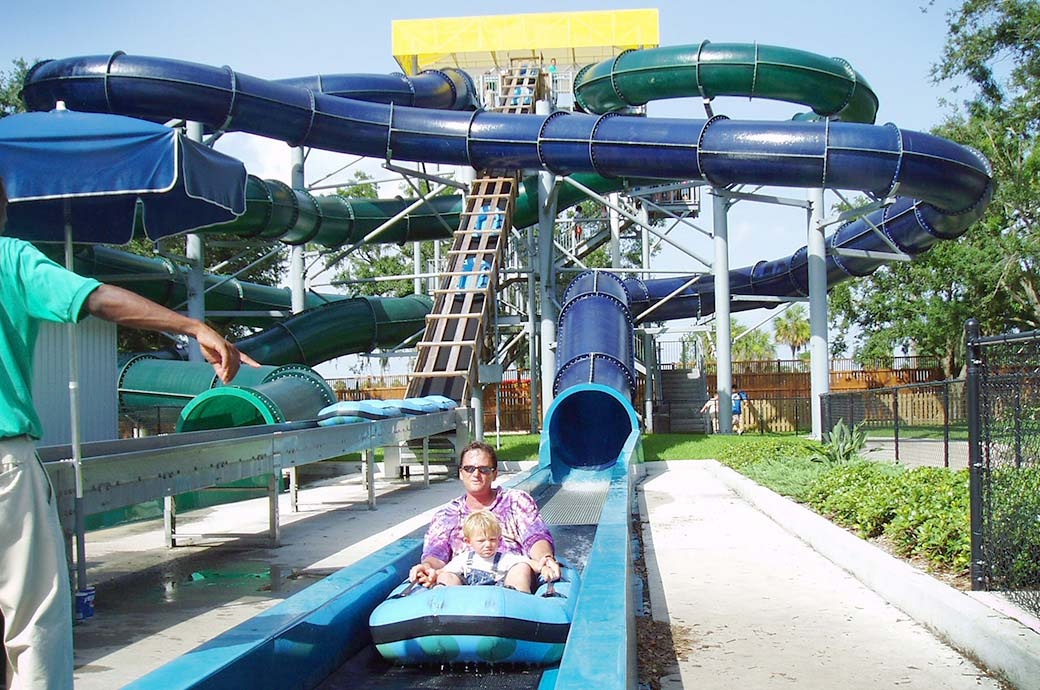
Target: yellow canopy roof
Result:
[[476, 44]]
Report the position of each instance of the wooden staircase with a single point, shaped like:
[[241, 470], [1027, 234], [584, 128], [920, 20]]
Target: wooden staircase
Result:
[[519, 88], [453, 343]]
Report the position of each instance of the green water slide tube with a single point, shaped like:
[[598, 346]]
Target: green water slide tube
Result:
[[359, 324], [287, 394], [830, 86], [274, 211], [257, 395]]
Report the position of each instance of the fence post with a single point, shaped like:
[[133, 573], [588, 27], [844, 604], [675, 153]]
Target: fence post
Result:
[[895, 419], [825, 412], [974, 352], [1018, 420], [946, 424]]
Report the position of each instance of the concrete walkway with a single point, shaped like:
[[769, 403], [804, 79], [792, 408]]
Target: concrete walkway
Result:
[[752, 605]]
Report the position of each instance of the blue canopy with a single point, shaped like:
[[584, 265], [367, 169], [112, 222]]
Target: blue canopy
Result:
[[90, 170]]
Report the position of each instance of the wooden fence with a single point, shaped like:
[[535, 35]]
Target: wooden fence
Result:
[[778, 391]]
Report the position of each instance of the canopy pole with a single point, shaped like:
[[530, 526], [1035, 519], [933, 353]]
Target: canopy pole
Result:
[[196, 255], [74, 437]]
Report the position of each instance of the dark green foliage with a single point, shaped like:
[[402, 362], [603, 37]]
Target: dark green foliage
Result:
[[923, 512], [841, 445], [931, 517], [11, 87], [793, 477], [1014, 527], [991, 60], [857, 495], [744, 452]]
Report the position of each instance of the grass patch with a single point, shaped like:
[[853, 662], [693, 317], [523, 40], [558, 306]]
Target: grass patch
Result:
[[792, 477], [514, 446]]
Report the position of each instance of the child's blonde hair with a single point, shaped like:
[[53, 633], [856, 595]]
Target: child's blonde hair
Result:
[[481, 522]]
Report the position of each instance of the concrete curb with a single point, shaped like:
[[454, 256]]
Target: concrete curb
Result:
[[1000, 643]]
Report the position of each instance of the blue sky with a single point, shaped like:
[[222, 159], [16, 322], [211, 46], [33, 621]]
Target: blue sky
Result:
[[892, 43]]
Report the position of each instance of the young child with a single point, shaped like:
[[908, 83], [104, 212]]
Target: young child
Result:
[[483, 564]]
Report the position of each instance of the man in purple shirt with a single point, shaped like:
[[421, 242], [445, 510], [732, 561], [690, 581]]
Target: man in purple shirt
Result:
[[523, 530]]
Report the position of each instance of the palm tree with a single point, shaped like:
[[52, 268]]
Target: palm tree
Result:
[[750, 345], [792, 329], [747, 345]]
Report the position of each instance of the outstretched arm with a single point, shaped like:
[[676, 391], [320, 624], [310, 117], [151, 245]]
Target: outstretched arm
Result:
[[127, 308]]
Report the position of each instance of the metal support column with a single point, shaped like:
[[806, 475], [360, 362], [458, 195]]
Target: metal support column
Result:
[[817, 259], [196, 255], [297, 289], [426, 462], [370, 476], [547, 282], [976, 464], [297, 282], [723, 337], [615, 233], [274, 486], [650, 390], [476, 401], [532, 327]]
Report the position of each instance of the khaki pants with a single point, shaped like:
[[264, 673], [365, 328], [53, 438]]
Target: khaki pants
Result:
[[34, 578]]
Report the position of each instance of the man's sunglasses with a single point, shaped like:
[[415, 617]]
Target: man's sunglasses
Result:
[[470, 469]]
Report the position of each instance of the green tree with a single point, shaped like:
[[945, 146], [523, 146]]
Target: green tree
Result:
[[10, 87], [747, 345], [992, 57], [750, 345], [377, 259], [792, 329]]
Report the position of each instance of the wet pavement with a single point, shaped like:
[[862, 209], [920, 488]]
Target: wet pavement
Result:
[[154, 604]]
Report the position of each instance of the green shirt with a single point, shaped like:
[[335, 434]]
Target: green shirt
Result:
[[32, 289]]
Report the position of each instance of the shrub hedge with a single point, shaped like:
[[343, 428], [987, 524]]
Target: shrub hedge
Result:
[[923, 511]]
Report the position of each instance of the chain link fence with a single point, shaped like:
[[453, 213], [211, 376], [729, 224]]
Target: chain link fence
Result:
[[916, 424], [1004, 410]]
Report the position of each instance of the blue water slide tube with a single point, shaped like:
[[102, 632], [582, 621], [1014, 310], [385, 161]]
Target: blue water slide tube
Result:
[[591, 417], [448, 89], [942, 187], [912, 226]]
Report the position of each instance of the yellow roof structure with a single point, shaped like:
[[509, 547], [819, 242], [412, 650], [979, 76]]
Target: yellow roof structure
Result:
[[476, 44]]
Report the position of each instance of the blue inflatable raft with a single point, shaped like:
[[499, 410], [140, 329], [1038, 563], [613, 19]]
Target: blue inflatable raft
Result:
[[474, 624]]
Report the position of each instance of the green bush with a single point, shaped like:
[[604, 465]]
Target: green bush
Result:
[[749, 451], [1014, 526], [932, 516], [791, 477], [858, 495], [841, 445]]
